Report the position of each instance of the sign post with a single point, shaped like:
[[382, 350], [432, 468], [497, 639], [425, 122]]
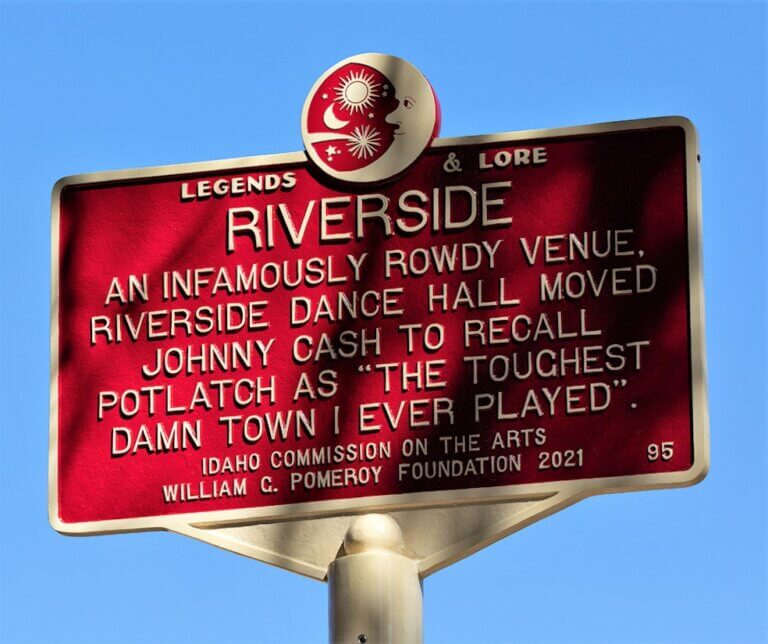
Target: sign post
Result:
[[374, 589], [484, 329]]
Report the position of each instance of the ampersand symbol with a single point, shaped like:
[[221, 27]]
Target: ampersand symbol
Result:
[[452, 164]]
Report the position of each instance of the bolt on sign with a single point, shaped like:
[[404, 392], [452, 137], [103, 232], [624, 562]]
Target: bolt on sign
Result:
[[384, 321]]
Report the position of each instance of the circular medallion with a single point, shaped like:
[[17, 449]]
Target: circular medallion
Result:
[[369, 118]]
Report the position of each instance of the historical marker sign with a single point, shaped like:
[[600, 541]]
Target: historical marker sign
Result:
[[464, 320]]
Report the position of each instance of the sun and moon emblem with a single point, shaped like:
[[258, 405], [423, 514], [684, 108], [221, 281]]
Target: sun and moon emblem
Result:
[[359, 122], [356, 92]]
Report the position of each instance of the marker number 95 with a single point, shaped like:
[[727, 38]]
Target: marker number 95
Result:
[[664, 451]]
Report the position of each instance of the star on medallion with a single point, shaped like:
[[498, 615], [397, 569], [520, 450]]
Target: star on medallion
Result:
[[370, 115], [330, 151], [325, 96]]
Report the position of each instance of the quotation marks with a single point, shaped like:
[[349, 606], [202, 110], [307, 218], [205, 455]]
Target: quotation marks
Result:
[[623, 383], [364, 367]]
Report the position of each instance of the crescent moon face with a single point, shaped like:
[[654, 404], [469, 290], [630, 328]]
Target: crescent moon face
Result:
[[330, 121]]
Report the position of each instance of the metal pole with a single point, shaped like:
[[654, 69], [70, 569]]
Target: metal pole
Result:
[[374, 589]]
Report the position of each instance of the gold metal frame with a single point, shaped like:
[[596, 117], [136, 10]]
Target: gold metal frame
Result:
[[558, 494]]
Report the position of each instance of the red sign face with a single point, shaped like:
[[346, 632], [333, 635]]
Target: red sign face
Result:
[[516, 315]]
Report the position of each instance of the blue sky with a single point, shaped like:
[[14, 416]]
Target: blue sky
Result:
[[96, 86]]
